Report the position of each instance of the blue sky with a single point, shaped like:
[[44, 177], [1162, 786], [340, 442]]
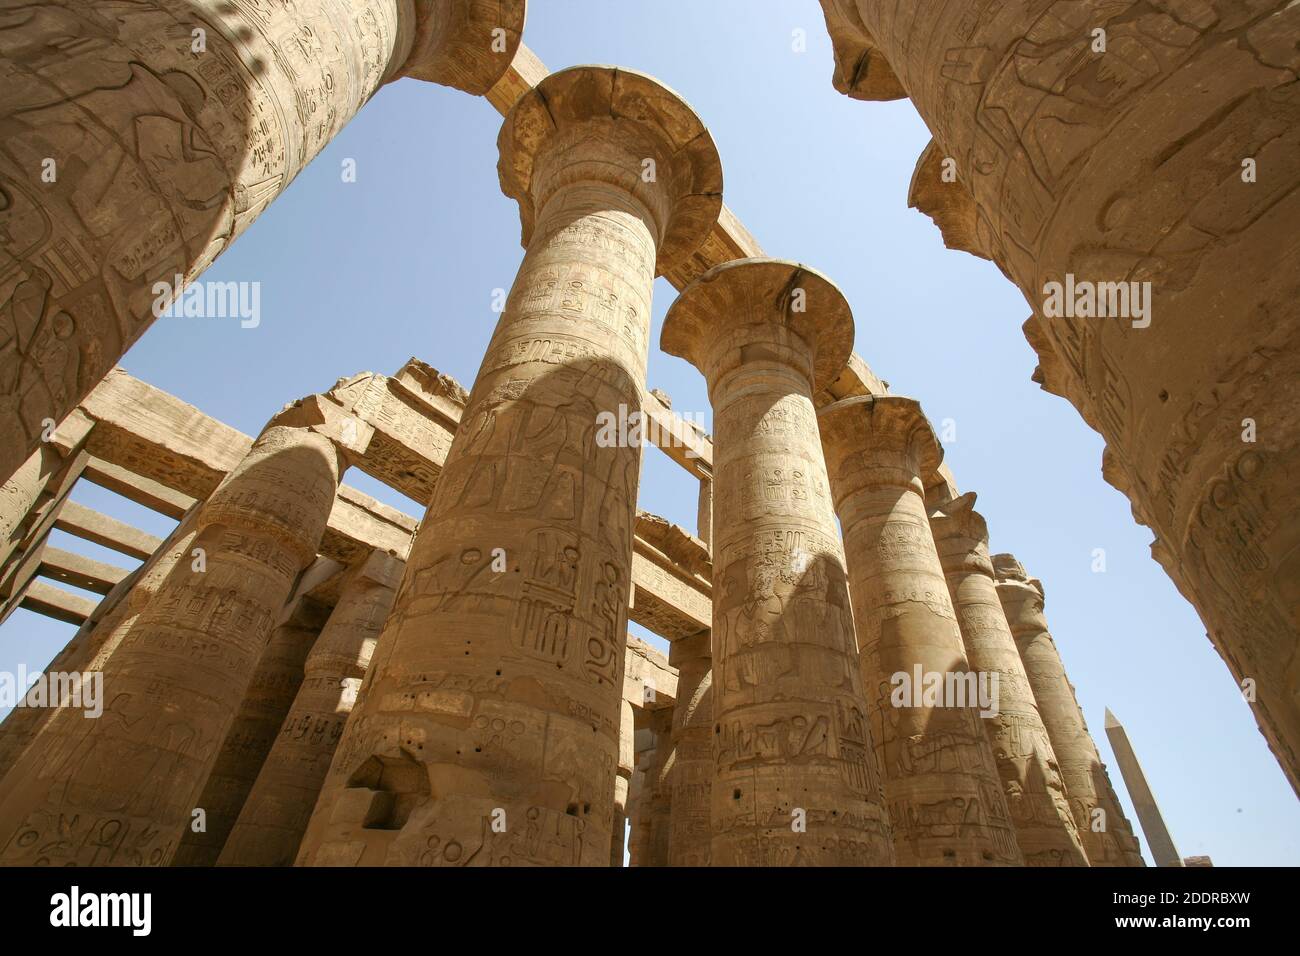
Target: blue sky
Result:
[[404, 262]]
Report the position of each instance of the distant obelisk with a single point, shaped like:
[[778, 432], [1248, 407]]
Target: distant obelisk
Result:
[[1144, 802]]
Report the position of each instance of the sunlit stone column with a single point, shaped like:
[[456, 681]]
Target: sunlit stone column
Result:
[[95, 640], [945, 800], [1031, 777], [138, 140], [273, 818], [487, 730], [120, 790], [1134, 168], [691, 781], [252, 733], [1106, 834], [795, 781], [622, 783]]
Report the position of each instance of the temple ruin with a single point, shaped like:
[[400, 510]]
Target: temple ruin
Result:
[[324, 680]]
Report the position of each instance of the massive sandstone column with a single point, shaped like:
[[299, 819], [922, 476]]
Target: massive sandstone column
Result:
[[273, 818], [691, 781], [96, 639], [120, 790], [487, 730], [1107, 837], [1164, 150], [138, 138], [1031, 776], [795, 780], [252, 733], [945, 799]]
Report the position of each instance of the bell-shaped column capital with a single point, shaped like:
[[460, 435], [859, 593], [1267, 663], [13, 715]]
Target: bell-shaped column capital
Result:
[[961, 536], [761, 309], [609, 124], [874, 440]]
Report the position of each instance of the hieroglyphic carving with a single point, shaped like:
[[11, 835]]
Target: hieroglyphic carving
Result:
[[1107, 838], [518, 581], [946, 803], [121, 789], [796, 781]]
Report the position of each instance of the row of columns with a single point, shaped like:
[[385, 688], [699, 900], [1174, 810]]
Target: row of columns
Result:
[[489, 725]]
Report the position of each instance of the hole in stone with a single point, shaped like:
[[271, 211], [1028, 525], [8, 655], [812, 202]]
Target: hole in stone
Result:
[[397, 786], [735, 795]]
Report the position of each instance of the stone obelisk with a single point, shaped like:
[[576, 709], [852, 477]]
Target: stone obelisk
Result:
[[1161, 843], [1027, 765], [946, 803], [1107, 837], [796, 782], [488, 728]]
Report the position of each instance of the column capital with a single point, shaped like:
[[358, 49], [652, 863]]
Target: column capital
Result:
[[878, 440], [466, 44], [792, 307], [961, 536], [1008, 570], [609, 124]]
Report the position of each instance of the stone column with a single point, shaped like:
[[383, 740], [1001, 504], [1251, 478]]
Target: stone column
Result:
[[704, 520], [622, 783], [658, 803], [795, 781], [95, 640], [945, 799], [1107, 836], [690, 834], [140, 151], [120, 790], [1141, 159], [497, 684], [274, 816], [1027, 765], [251, 735]]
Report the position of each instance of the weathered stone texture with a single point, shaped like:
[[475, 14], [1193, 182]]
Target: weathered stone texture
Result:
[[946, 803], [795, 780]]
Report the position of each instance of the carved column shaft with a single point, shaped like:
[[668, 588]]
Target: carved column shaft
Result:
[[497, 685], [795, 782], [1107, 836], [120, 790], [273, 818], [690, 833], [1027, 765], [945, 799]]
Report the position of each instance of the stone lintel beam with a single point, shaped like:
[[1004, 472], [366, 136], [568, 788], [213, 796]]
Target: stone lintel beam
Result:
[[680, 440], [666, 599], [861, 70], [649, 681], [143, 491], [79, 571], [90, 525], [358, 524], [46, 599], [159, 436], [466, 44]]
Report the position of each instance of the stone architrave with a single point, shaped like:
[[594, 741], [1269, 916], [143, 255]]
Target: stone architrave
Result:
[[273, 818], [1027, 765], [252, 733], [946, 803], [1106, 834], [1133, 168], [120, 790], [96, 640], [690, 836], [137, 154], [796, 781], [496, 686]]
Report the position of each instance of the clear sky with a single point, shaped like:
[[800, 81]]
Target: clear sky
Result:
[[359, 276]]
